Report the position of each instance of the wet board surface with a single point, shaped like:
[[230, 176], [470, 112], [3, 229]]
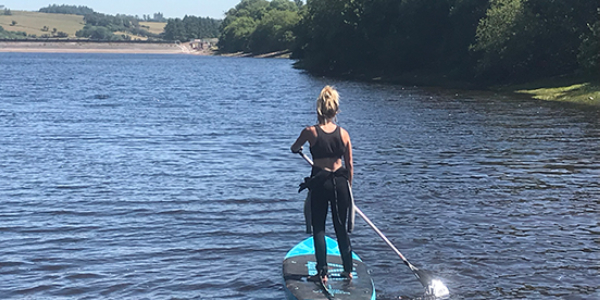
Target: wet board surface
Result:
[[300, 262]]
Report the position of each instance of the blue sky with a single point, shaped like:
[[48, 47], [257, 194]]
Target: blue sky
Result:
[[170, 9]]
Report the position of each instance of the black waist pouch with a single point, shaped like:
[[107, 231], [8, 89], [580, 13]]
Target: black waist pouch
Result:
[[320, 176]]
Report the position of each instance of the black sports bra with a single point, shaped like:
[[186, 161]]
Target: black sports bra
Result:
[[328, 145]]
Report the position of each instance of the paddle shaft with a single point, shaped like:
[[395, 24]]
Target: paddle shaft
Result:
[[364, 217]]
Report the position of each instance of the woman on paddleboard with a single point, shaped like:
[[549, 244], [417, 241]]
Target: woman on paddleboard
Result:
[[330, 182]]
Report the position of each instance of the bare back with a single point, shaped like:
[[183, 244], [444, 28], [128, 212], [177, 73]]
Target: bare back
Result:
[[309, 134]]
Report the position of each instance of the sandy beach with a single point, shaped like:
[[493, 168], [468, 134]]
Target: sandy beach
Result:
[[89, 47]]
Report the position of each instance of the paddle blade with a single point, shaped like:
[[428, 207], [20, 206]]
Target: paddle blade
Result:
[[438, 289], [433, 287]]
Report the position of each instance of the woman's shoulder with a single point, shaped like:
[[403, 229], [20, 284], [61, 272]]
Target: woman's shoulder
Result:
[[310, 130], [344, 134], [343, 131]]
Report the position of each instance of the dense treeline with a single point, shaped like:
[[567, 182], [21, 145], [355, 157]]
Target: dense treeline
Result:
[[488, 39], [116, 23], [99, 33], [84, 10], [191, 27], [260, 26], [67, 9], [538, 37]]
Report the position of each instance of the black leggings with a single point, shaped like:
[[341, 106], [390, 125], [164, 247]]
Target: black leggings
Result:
[[321, 197]]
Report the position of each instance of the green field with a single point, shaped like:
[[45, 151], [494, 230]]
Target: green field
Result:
[[33, 22], [155, 27]]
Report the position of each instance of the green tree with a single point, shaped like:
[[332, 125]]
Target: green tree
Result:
[[254, 9], [274, 32], [283, 5], [61, 34], [325, 36], [459, 35], [258, 26], [191, 27], [236, 36], [589, 50], [175, 30], [377, 36], [497, 33], [491, 39], [524, 40], [96, 33]]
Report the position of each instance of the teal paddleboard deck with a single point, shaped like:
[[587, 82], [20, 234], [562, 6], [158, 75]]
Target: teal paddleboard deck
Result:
[[300, 262]]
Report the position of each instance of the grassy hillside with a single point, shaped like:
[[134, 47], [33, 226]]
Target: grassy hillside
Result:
[[155, 27], [33, 22]]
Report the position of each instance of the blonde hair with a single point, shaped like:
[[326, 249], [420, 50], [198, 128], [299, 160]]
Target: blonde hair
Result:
[[328, 104]]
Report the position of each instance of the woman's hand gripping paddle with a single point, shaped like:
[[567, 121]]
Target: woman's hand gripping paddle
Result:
[[433, 287]]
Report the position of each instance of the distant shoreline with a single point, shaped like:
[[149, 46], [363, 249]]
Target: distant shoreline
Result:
[[98, 47]]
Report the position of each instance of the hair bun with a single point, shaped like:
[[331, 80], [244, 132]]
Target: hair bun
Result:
[[327, 103]]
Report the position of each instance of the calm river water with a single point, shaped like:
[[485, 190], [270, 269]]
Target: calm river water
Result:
[[170, 177]]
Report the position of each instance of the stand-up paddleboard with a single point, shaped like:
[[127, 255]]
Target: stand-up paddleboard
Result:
[[300, 262]]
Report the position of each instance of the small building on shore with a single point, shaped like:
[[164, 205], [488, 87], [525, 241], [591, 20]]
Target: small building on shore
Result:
[[203, 44]]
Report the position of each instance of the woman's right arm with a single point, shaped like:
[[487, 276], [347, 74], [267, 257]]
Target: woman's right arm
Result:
[[301, 140]]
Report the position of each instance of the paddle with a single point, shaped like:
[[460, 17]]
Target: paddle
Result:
[[433, 286]]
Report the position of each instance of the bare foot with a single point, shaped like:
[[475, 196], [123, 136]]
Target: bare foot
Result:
[[347, 275]]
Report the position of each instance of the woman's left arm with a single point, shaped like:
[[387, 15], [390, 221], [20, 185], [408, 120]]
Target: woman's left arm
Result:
[[349, 164]]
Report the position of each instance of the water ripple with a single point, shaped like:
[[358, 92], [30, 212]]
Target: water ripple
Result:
[[170, 177]]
